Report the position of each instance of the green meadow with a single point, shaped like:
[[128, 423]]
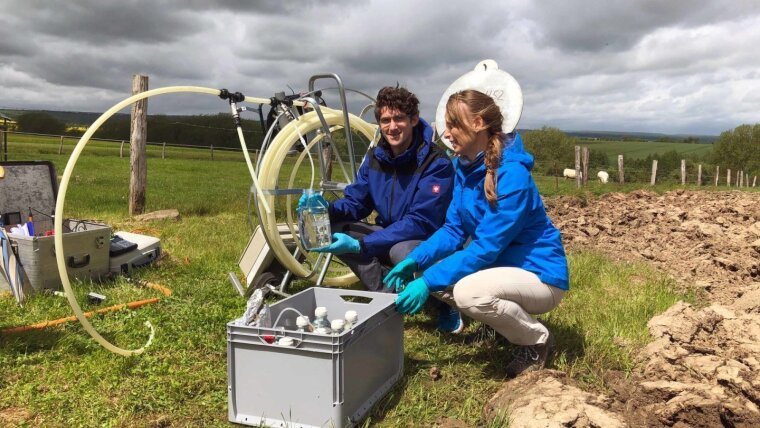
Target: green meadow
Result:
[[60, 377]]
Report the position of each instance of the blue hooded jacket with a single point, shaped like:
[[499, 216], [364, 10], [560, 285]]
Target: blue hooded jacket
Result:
[[410, 192], [515, 233]]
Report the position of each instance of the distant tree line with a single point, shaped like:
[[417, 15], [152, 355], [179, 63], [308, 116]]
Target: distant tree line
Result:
[[200, 130], [553, 150], [738, 150]]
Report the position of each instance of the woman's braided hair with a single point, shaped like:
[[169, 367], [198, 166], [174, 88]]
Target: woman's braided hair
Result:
[[484, 106]]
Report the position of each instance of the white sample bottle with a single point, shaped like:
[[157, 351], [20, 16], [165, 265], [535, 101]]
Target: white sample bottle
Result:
[[314, 222], [351, 319], [302, 324], [337, 326]]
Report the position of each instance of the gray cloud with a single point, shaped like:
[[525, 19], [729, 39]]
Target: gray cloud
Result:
[[645, 65]]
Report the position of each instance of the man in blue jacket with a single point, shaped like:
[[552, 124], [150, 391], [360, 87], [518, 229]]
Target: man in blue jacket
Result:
[[407, 180]]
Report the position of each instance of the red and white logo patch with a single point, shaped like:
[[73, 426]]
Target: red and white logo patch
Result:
[[436, 188]]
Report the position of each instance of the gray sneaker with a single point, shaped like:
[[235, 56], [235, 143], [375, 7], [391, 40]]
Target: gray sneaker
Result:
[[530, 358]]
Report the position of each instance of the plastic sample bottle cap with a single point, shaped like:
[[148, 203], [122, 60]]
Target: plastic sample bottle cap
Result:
[[285, 341], [320, 312], [352, 317], [337, 325], [302, 321]]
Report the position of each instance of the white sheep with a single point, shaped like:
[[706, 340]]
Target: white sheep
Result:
[[570, 173], [603, 176]]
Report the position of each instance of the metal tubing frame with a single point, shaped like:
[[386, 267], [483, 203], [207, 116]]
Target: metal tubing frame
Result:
[[344, 105]]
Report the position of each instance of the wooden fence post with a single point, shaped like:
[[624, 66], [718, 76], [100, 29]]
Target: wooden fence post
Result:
[[121, 149], [741, 179], [621, 172], [654, 172], [699, 175], [578, 179], [683, 172], [163, 150], [60, 146], [212, 152], [717, 171], [137, 138], [584, 160], [728, 177], [754, 181], [556, 177], [746, 179]]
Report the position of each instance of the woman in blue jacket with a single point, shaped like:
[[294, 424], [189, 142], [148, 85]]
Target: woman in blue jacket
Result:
[[514, 265]]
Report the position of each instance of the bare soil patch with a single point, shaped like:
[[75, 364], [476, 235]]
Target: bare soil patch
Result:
[[703, 368]]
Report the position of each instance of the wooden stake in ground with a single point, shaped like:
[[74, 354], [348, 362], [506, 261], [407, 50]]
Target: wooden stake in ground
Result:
[[699, 175], [621, 172], [584, 162], [654, 172], [683, 172], [728, 177], [578, 180], [138, 165], [717, 176]]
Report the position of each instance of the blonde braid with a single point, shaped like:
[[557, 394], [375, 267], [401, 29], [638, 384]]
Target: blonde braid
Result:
[[492, 161]]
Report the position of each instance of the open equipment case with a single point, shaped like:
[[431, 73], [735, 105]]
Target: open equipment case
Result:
[[30, 188]]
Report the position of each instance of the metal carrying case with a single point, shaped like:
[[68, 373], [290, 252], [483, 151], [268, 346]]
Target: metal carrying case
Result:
[[321, 380], [32, 185]]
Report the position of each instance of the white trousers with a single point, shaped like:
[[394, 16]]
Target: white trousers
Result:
[[505, 298]]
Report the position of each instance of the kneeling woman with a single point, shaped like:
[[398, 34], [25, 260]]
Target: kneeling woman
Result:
[[514, 265]]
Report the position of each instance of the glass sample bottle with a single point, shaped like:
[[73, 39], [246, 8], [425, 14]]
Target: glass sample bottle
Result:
[[321, 324], [314, 222]]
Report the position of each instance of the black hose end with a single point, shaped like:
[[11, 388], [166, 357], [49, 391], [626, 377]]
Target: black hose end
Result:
[[237, 97], [232, 97]]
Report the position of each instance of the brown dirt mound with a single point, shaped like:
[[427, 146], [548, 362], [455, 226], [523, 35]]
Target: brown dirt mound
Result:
[[703, 368]]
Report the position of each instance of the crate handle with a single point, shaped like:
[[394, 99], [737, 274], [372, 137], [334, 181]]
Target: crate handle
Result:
[[352, 298], [74, 264], [297, 342]]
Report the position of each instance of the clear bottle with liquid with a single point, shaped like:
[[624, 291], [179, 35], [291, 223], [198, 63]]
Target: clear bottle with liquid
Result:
[[314, 222], [321, 324]]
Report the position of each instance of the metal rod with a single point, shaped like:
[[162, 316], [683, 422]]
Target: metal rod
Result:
[[347, 127]]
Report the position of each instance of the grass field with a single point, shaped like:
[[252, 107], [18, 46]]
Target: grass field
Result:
[[641, 149], [61, 377]]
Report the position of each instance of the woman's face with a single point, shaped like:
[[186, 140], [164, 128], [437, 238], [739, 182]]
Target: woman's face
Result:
[[463, 133]]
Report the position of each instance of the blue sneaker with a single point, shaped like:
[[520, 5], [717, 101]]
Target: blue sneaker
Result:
[[449, 319]]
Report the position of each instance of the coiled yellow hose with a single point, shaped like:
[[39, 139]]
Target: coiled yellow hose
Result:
[[273, 159]]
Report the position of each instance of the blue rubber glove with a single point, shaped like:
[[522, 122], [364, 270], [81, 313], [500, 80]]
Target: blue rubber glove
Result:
[[342, 244], [316, 197], [413, 297], [402, 273]]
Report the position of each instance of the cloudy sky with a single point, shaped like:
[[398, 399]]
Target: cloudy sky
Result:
[[652, 66]]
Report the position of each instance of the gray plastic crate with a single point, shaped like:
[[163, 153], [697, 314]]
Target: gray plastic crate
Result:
[[323, 380]]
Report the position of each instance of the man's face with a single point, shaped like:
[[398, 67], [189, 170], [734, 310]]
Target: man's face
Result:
[[397, 128]]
